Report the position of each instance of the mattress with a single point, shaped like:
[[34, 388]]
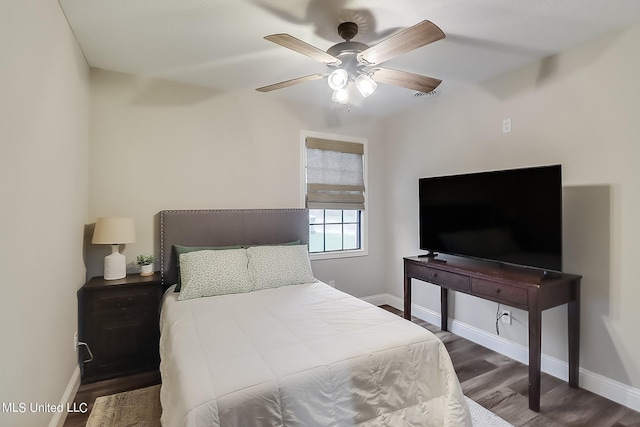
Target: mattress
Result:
[[301, 355]]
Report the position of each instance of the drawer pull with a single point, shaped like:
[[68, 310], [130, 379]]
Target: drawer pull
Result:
[[498, 290], [434, 275]]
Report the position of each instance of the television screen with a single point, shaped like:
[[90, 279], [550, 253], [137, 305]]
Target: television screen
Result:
[[512, 216]]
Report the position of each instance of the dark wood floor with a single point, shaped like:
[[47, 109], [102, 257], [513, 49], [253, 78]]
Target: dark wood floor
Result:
[[501, 384], [494, 381]]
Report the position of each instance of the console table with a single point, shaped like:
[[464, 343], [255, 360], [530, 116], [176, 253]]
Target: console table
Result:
[[525, 288]]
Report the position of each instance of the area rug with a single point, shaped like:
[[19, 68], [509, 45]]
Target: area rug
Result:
[[136, 408], [141, 408], [482, 417]]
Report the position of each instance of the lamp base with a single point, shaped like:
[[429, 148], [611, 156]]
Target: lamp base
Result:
[[115, 265]]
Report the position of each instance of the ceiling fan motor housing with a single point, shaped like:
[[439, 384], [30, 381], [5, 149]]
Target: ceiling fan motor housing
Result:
[[347, 30], [347, 52]]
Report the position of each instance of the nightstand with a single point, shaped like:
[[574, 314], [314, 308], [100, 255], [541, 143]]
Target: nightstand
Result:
[[118, 322]]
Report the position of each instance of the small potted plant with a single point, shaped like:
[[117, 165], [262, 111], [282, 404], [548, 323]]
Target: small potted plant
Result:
[[146, 264]]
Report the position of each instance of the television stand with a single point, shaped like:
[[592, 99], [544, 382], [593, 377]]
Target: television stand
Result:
[[524, 288]]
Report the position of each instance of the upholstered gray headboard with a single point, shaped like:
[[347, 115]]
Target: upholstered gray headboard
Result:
[[225, 228]]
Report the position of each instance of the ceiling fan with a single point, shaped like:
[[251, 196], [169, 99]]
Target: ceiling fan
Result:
[[352, 61]]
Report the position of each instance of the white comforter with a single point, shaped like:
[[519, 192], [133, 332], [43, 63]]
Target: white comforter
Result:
[[303, 355]]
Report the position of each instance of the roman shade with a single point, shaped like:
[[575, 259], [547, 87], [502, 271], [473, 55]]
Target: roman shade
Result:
[[335, 174]]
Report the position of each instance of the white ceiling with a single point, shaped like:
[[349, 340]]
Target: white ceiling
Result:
[[219, 43]]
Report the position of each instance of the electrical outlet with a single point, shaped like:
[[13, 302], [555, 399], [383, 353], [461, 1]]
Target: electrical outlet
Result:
[[506, 126], [75, 341], [505, 316]]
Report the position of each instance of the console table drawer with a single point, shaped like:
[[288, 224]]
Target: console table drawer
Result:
[[445, 279], [506, 294]]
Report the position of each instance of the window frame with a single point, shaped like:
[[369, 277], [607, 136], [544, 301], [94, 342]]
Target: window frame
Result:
[[342, 223], [364, 216]]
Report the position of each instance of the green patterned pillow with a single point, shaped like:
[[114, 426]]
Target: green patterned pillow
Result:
[[214, 272], [275, 266], [179, 250]]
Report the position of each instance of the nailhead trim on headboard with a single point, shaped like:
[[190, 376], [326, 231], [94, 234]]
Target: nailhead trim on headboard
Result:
[[278, 225]]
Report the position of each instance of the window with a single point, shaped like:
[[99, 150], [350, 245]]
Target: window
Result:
[[334, 230], [334, 191]]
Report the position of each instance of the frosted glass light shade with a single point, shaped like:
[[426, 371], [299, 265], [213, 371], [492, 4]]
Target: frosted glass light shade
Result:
[[366, 85], [341, 96], [338, 79]]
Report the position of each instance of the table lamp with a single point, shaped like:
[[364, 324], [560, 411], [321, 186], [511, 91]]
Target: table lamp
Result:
[[114, 232]]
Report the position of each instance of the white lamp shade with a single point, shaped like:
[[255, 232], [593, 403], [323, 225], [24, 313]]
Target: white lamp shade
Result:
[[111, 231]]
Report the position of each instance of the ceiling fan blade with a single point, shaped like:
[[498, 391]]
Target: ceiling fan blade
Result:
[[404, 79], [291, 82], [407, 40], [304, 48]]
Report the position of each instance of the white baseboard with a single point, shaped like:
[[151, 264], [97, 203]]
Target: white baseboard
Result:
[[59, 417], [596, 383], [382, 299]]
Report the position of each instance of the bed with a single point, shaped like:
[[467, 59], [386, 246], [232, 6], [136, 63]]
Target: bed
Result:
[[289, 350]]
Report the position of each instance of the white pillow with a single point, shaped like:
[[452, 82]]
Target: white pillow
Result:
[[275, 266], [213, 272]]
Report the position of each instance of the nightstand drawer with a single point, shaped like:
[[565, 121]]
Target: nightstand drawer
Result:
[[511, 295], [122, 344], [109, 303]]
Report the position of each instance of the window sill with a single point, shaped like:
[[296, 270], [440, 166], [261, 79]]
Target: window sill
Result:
[[337, 254]]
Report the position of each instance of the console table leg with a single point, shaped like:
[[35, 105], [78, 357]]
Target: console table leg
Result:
[[535, 344], [444, 309], [407, 296], [573, 310]]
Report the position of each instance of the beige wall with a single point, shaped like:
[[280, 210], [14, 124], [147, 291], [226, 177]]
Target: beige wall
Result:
[[579, 109], [44, 87], [156, 145], [159, 145]]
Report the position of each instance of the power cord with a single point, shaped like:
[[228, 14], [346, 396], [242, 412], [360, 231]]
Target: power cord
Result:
[[498, 317]]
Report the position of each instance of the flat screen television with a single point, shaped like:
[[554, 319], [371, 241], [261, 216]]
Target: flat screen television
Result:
[[510, 216]]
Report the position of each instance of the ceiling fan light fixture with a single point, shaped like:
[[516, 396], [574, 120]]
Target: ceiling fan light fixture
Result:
[[338, 79], [341, 96], [352, 61], [366, 85]]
